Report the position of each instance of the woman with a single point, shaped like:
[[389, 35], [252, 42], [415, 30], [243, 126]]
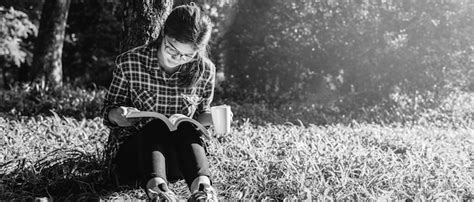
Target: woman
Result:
[[171, 75]]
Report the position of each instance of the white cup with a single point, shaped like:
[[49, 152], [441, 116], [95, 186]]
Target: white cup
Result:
[[221, 119]]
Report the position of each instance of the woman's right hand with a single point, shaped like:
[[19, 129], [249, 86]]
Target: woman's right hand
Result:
[[117, 116]]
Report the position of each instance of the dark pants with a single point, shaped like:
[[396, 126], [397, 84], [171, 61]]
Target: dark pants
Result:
[[157, 152]]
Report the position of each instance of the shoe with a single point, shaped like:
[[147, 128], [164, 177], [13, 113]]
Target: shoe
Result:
[[159, 191], [204, 193]]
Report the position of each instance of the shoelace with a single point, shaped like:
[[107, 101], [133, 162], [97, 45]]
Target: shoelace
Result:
[[200, 195], [204, 194], [163, 195]]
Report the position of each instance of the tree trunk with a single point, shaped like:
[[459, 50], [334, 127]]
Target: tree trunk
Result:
[[142, 21], [182, 2], [47, 64]]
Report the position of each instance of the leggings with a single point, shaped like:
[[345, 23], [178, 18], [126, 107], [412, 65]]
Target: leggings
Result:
[[157, 152]]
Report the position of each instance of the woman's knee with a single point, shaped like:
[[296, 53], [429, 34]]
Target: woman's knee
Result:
[[188, 133], [155, 130]]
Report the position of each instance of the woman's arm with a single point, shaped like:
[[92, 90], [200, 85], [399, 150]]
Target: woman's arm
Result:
[[203, 112], [116, 97], [117, 116]]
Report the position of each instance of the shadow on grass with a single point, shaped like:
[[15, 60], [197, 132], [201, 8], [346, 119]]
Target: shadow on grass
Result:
[[64, 175]]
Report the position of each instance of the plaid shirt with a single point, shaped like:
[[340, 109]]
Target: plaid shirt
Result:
[[139, 81]]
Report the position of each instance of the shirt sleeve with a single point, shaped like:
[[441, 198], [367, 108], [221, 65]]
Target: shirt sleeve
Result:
[[117, 95], [208, 93]]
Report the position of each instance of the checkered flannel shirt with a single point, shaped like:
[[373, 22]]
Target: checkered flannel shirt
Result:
[[138, 81]]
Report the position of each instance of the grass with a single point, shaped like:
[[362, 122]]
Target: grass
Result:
[[60, 157], [414, 148]]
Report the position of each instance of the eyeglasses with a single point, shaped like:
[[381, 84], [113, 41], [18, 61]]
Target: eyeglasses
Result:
[[174, 52]]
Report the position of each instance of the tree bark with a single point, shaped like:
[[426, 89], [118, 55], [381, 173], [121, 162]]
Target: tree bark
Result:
[[142, 21], [182, 2], [47, 65]]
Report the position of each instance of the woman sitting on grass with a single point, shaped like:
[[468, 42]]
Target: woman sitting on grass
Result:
[[170, 75]]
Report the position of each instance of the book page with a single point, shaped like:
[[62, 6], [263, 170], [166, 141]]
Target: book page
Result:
[[179, 118], [176, 117], [138, 114], [144, 114]]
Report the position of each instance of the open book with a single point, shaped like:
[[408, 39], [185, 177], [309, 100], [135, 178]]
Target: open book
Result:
[[172, 122]]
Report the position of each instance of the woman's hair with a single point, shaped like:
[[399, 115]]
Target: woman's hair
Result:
[[188, 24]]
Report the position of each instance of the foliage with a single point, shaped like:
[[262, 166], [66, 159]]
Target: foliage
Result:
[[285, 50], [280, 51], [454, 109], [14, 28], [38, 99], [61, 158], [91, 41]]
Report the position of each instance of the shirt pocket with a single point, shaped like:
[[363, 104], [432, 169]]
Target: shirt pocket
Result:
[[142, 99]]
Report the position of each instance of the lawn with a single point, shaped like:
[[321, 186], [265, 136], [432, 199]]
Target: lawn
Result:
[[60, 157]]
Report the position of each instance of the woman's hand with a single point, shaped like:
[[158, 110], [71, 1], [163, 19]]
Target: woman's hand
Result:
[[117, 116], [205, 119]]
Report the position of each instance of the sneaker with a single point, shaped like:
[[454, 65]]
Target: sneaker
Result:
[[204, 193], [160, 192]]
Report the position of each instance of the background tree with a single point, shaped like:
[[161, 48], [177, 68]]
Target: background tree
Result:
[[47, 64], [286, 51]]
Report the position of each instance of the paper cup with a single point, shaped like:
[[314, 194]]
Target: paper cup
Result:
[[221, 119]]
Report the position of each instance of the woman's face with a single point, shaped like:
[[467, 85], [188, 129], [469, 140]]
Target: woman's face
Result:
[[174, 53]]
